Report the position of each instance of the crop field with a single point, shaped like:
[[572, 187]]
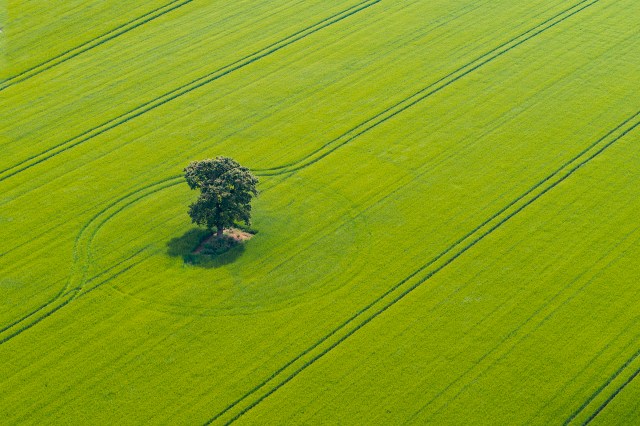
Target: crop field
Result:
[[448, 227]]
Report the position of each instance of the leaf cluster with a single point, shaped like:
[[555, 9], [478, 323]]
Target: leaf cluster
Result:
[[226, 190]]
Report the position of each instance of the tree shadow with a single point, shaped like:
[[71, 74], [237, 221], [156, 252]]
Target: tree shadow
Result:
[[185, 245]]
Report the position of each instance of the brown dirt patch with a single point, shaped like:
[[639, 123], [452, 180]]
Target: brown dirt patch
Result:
[[237, 234]]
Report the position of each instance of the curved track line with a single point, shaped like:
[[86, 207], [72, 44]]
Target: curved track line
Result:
[[182, 90], [401, 289], [70, 295], [73, 292], [90, 44], [351, 219], [81, 254], [427, 91], [81, 257]]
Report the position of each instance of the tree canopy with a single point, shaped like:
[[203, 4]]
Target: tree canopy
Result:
[[226, 190]]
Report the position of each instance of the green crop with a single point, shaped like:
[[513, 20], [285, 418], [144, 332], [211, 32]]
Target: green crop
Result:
[[447, 224]]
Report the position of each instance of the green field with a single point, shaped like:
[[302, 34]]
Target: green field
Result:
[[448, 218]]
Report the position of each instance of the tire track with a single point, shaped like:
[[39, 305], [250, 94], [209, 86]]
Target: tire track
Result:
[[182, 90], [338, 335], [285, 169], [592, 361], [602, 388], [73, 288], [70, 292], [70, 295], [611, 398], [540, 310], [351, 219], [427, 91], [93, 43], [81, 260]]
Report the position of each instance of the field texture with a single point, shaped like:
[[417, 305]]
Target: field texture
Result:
[[448, 218]]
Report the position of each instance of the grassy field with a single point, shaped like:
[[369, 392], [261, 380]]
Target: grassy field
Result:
[[448, 228]]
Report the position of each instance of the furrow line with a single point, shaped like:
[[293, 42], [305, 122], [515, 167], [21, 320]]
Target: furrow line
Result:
[[405, 287], [427, 91], [90, 44], [182, 90]]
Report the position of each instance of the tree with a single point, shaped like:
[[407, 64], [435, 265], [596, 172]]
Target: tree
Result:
[[226, 190]]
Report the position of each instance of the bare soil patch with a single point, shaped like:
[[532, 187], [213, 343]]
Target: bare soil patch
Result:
[[238, 235]]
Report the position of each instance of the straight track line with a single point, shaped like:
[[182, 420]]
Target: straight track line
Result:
[[602, 388], [427, 91], [513, 332], [403, 288], [430, 274], [182, 90], [90, 44], [81, 257], [612, 397]]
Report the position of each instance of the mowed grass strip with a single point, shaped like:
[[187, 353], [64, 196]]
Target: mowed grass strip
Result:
[[385, 179]]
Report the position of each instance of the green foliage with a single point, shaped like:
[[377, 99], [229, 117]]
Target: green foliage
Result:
[[226, 191], [246, 228]]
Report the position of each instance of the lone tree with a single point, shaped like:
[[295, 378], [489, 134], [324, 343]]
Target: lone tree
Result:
[[226, 189]]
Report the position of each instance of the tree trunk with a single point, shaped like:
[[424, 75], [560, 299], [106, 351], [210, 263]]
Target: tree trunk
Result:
[[219, 233]]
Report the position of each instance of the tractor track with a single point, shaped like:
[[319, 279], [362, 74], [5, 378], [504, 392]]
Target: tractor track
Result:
[[427, 91], [93, 43], [615, 393], [81, 258], [182, 90], [389, 298], [540, 310], [603, 387], [73, 292], [328, 147], [70, 292]]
